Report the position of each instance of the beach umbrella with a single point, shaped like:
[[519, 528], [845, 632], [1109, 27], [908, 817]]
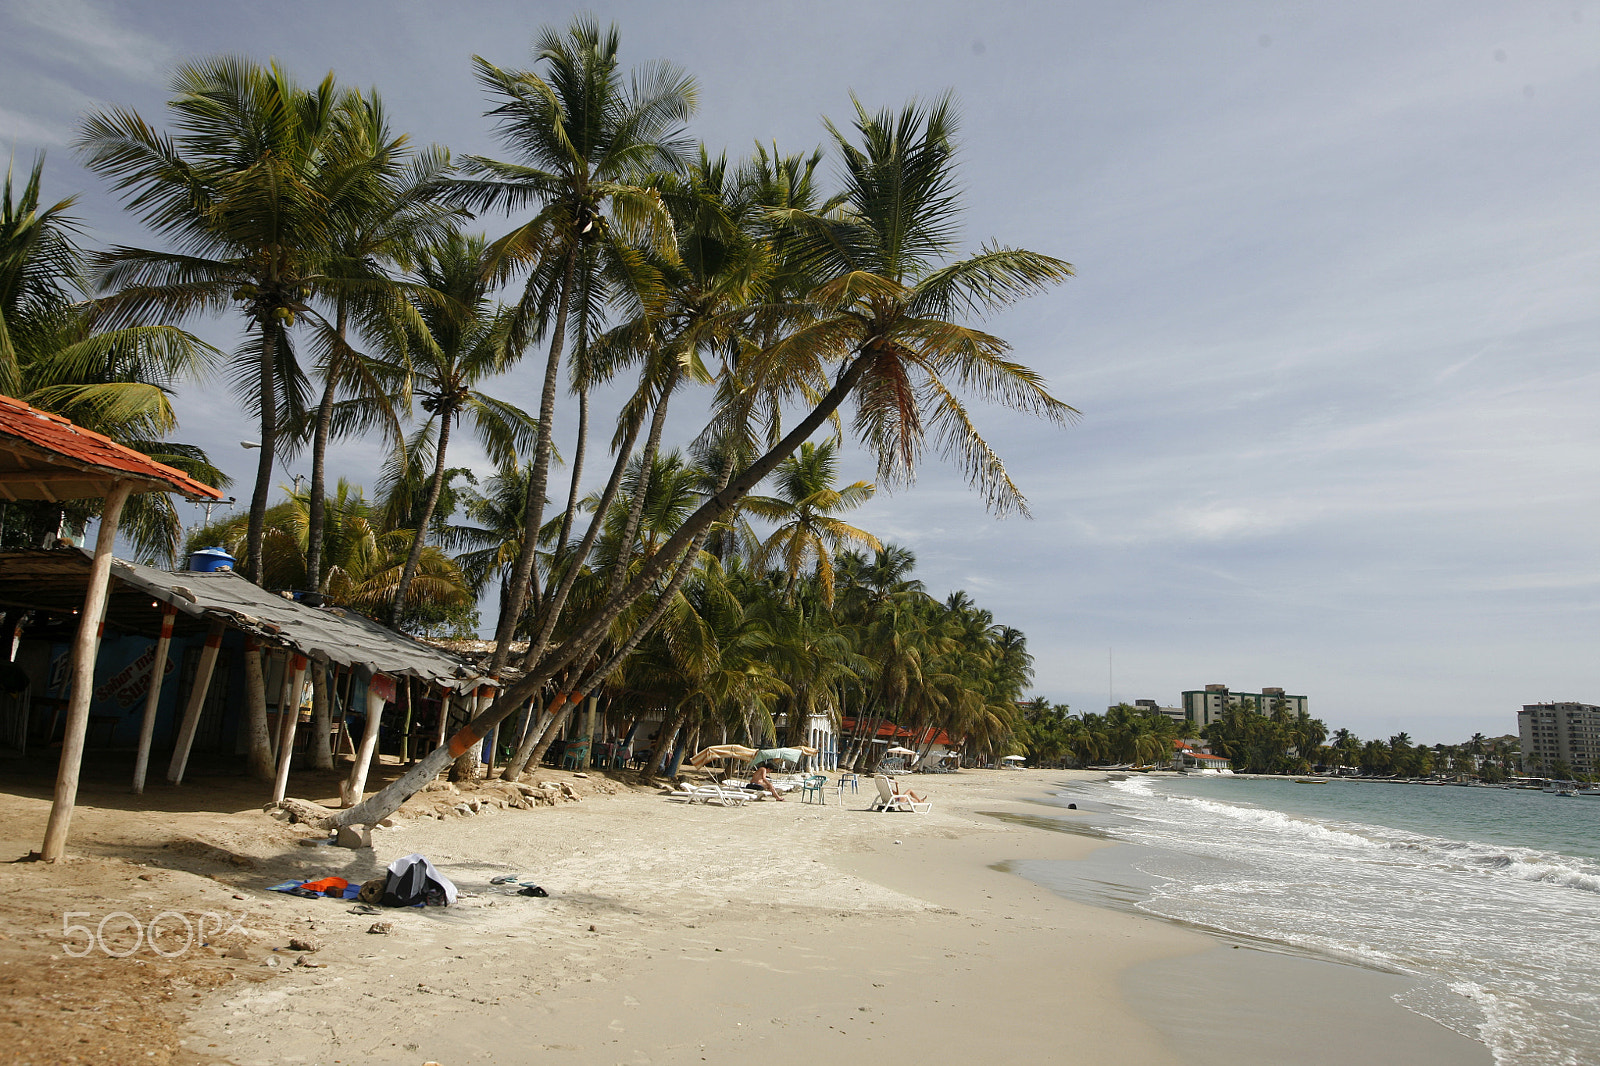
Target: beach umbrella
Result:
[[721, 751], [781, 755], [899, 751], [1013, 758]]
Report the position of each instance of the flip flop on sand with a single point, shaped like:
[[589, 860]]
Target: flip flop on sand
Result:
[[532, 890], [505, 879]]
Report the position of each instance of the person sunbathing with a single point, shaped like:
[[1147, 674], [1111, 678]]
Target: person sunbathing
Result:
[[760, 780], [908, 793]]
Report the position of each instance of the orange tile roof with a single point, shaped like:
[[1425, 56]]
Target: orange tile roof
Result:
[[45, 457]]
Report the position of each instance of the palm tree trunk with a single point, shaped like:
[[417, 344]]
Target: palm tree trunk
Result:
[[465, 766], [552, 728], [408, 573], [538, 480], [259, 759], [268, 398], [530, 738], [316, 501], [558, 598], [662, 755], [577, 468], [652, 445]]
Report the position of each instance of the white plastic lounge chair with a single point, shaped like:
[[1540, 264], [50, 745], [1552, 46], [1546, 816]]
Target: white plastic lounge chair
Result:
[[684, 793], [890, 800], [726, 797]]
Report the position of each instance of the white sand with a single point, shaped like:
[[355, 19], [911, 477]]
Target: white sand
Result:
[[775, 933]]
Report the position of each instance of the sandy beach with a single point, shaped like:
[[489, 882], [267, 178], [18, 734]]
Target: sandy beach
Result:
[[774, 932]]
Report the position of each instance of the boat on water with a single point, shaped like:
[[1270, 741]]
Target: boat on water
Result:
[[1311, 780]]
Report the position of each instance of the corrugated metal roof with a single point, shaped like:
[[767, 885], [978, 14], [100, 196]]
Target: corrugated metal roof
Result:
[[45, 457], [54, 581]]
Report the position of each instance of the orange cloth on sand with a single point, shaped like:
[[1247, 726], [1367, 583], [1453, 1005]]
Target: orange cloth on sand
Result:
[[326, 883]]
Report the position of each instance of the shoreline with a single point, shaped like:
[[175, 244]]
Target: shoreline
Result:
[[773, 932]]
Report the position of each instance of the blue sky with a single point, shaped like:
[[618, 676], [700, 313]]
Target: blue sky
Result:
[[1333, 332]]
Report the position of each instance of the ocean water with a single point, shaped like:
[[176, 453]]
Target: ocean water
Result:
[[1486, 900]]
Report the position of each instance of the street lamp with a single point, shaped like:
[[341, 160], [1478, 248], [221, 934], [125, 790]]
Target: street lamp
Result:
[[248, 444]]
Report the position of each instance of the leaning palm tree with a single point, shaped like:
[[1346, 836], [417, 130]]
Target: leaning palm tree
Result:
[[885, 313], [583, 140], [805, 508], [249, 191]]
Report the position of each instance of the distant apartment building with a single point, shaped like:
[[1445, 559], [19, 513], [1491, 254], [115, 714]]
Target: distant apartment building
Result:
[[1201, 707], [1559, 732]]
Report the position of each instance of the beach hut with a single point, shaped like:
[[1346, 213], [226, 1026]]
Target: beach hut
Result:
[[196, 606], [45, 457]]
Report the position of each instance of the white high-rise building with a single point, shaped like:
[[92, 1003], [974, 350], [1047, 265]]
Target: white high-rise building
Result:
[[1559, 732], [1201, 707]]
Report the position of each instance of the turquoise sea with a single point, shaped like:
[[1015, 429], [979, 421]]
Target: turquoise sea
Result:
[[1486, 900]]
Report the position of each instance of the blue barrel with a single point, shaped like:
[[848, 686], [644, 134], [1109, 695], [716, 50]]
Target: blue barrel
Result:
[[210, 560]]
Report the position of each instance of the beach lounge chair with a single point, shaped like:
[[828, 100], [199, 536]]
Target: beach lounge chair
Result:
[[889, 799], [718, 794]]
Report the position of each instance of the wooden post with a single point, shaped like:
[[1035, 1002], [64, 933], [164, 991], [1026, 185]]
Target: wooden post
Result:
[[344, 713], [444, 717], [288, 722], [379, 691], [197, 702], [283, 694], [85, 651], [405, 728], [493, 740], [158, 670]]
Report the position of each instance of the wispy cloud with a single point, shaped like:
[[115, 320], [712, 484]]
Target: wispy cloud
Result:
[[89, 35]]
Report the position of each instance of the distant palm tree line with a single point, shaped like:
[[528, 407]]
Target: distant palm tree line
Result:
[[641, 262], [1274, 742]]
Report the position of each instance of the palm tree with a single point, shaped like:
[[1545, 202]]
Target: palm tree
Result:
[[56, 355], [885, 311], [370, 234], [250, 191], [583, 140], [804, 510], [465, 340]]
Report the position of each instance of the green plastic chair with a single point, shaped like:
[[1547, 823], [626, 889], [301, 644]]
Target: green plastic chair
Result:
[[576, 754], [813, 786]]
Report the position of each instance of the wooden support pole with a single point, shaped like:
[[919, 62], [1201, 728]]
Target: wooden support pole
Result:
[[85, 651], [288, 722], [344, 713], [152, 698], [380, 690], [444, 717], [492, 742], [284, 695], [197, 702], [405, 727]]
